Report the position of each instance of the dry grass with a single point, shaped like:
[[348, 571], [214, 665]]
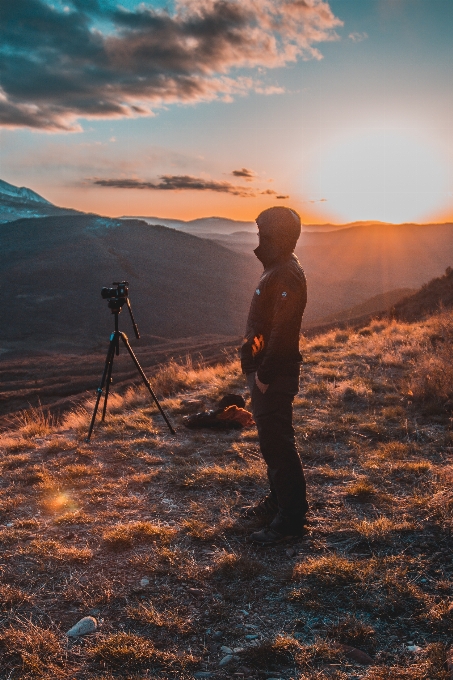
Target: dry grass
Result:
[[124, 536], [142, 529]]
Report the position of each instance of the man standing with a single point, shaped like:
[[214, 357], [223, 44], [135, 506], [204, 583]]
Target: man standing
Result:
[[271, 359]]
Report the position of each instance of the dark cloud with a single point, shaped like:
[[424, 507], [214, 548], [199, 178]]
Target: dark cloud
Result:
[[86, 60], [177, 183], [246, 174]]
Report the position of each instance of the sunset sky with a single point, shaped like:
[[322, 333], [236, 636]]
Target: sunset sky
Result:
[[192, 108]]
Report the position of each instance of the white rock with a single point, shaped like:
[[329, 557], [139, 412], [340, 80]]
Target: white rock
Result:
[[226, 650], [226, 660], [86, 625], [144, 582], [414, 648]]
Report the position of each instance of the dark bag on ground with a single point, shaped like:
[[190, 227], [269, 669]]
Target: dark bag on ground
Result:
[[229, 415]]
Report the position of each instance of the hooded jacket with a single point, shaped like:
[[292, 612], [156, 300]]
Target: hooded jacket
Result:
[[271, 343]]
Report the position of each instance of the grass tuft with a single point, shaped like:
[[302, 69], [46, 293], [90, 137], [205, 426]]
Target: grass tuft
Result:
[[123, 536]]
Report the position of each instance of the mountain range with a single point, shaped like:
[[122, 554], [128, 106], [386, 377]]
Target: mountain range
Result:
[[53, 266]]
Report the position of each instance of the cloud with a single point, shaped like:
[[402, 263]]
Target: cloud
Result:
[[88, 59], [177, 183], [358, 37], [246, 174], [186, 183]]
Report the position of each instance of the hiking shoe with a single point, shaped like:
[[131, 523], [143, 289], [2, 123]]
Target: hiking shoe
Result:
[[266, 509], [270, 537]]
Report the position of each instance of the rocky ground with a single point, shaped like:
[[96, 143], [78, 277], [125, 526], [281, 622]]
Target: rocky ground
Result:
[[140, 530]]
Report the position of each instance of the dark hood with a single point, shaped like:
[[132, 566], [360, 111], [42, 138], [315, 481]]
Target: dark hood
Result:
[[278, 230]]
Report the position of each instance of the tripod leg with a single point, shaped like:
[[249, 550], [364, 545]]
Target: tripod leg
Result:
[[107, 385], [108, 363], [145, 380]]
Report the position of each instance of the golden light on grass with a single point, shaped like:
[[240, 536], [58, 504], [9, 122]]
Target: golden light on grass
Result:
[[59, 502], [167, 561]]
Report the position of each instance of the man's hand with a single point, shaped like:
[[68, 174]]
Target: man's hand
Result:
[[261, 386]]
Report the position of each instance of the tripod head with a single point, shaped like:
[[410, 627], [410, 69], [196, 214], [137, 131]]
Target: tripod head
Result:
[[117, 298]]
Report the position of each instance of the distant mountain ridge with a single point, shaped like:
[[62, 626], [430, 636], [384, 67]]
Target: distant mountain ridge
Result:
[[20, 202], [21, 193], [53, 269], [203, 226], [193, 280]]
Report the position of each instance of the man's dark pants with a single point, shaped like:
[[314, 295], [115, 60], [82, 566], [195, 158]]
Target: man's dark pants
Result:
[[273, 413]]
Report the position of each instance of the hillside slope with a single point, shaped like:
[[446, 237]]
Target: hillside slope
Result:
[[346, 267], [53, 270], [349, 266], [376, 304], [434, 296], [142, 530]]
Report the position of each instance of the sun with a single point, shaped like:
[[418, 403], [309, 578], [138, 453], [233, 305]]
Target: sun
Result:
[[390, 175]]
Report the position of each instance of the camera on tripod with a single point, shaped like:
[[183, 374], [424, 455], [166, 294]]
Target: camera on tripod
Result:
[[117, 297]]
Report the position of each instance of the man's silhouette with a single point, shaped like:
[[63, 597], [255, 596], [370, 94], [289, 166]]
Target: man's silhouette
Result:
[[271, 359]]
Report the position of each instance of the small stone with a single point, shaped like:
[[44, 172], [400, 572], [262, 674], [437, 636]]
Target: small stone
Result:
[[245, 612], [196, 591], [226, 650], [218, 634], [83, 627], [414, 648], [144, 582], [202, 674], [226, 660], [251, 637], [238, 650], [290, 552]]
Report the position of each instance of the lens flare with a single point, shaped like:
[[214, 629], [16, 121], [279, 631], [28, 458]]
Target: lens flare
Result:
[[58, 502], [390, 175]]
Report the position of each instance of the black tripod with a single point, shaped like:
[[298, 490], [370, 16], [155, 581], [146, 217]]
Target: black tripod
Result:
[[117, 298]]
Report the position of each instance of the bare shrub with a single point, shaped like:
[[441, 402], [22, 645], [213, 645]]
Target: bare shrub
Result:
[[431, 380], [35, 422]]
